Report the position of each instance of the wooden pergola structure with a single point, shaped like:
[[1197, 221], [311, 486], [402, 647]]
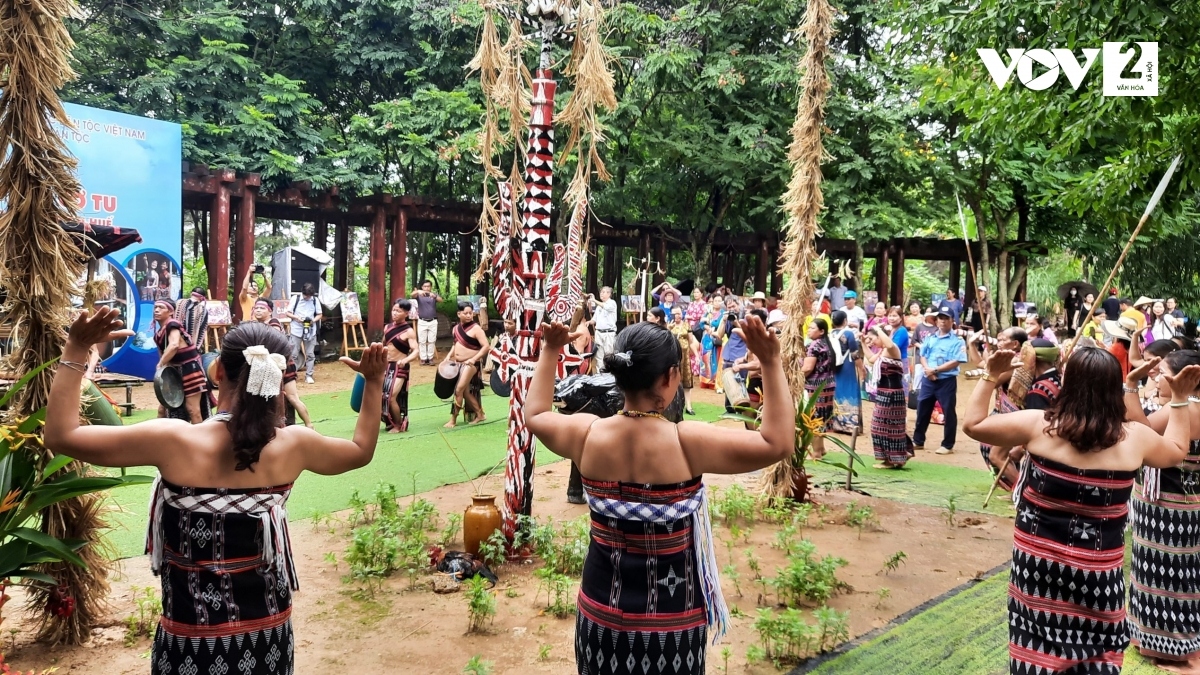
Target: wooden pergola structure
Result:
[[231, 203]]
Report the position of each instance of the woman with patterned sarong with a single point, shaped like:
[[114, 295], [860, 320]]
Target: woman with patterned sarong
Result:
[[818, 374], [1066, 594], [470, 348], [218, 534], [400, 341], [1164, 594], [890, 441], [176, 350], [847, 398], [650, 594]]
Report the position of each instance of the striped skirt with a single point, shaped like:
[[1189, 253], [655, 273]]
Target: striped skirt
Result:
[[194, 380], [1164, 595], [889, 433], [823, 410]]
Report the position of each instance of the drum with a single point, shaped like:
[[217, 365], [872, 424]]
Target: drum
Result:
[[356, 394], [446, 379], [499, 386], [168, 387], [735, 389], [209, 361]]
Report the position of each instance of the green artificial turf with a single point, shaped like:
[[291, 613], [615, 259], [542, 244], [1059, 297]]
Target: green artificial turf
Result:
[[965, 633], [421, 451], [918, 482]]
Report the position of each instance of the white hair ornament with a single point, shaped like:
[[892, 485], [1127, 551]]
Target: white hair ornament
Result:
[[266, 371]]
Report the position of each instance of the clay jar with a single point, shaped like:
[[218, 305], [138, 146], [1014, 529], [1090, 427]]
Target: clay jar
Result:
[[479, 521]]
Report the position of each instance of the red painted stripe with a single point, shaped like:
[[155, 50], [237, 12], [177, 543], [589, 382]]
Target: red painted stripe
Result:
[[1065, 608], [1111, 483], [1113, 511], [1058, 663], [615, 619]]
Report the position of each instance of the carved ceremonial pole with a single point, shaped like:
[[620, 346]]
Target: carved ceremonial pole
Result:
[[528, 282]]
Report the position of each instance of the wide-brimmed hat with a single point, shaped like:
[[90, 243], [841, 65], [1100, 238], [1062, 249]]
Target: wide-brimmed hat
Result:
[[759, 295], [1142, 301], [1123, 328], [775, 316]]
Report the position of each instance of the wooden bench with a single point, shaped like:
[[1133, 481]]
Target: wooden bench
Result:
[[116, 380]]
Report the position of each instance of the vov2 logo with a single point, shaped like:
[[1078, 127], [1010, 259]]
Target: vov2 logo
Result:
[[1117, 61]]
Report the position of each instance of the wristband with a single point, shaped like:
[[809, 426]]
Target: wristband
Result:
[[1128, 389], [74, 365], [989, 378]]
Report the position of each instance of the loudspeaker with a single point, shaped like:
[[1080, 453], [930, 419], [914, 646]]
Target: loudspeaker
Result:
[[304, 271]]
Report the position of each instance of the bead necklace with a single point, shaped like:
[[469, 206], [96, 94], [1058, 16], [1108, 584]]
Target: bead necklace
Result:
[[639, 413]]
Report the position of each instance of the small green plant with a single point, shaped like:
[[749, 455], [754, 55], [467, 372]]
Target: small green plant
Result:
[[730, 572], [881, 596], [735, 612], [806, 577], [736, 505], [511, 593], [450, 533], [557, 588], [563, 548], [725, 654], [786, 638], [477, 666], [894, 562], [331, 558], [860, 517], [494, 549], [951, 509], [544, 652], [389, 538], [148, 607], [755, 565], [481, 604]]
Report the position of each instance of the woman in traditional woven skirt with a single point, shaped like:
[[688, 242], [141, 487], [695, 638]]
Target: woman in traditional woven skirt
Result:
[[1066, 593], [818, 374], [1164, 597], [889, 431], [400, 340], [847, 399], [218, 534], [650, 596]]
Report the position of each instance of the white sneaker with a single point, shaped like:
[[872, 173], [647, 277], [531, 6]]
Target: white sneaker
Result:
[[308, 380]]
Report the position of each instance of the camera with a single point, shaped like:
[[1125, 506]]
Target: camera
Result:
[[259, 269]]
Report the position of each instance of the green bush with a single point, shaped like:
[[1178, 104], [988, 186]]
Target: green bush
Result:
[[806, 577]]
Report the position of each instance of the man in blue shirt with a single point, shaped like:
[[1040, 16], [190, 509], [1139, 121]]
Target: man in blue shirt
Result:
[[941, 354]]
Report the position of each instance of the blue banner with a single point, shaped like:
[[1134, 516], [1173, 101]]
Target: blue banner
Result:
[[130, 171]]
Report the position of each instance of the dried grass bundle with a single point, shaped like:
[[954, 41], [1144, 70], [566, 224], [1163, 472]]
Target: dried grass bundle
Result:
[[802, 203], [514, 86], [40, 265], [594, 87]]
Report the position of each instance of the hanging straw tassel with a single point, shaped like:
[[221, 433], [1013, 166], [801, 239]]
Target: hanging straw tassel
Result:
[[802, 204]]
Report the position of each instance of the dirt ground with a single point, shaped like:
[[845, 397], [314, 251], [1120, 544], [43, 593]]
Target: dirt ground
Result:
[[404, 631]]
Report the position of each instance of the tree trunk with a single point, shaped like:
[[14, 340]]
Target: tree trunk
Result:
[[855, 283], [983, 274], [1003, 298], [449, 262]]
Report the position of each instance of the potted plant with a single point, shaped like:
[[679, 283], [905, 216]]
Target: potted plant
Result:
[[807, 428]]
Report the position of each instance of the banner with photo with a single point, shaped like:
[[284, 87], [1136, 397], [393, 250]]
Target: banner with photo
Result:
[[129, 170]]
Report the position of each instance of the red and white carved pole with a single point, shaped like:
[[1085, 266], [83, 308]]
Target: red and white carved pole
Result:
[[529, 283]]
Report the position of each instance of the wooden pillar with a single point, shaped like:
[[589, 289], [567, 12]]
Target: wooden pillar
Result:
[[376, 282], [659, 259], [245, 241], [399, 255], [776, 272], [341, 240], [465, 255], [218, 239], [969, 292], [881, 274], [764, 262], [730, 269], [593, 267], [321, 233], [956, 276], [897, 274]]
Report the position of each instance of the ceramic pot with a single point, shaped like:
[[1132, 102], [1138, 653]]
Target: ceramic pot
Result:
[[799, 485], [479, 521]]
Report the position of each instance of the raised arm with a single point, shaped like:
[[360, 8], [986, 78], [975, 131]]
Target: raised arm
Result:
[[712, 449], [246, 283], [1133, 401], [561, 434], [1011, 429], [884, 340], [146, 444], [329, 456], [1172, 447]]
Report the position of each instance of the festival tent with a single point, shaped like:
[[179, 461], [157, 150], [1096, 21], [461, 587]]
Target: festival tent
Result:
[[297, 265]]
